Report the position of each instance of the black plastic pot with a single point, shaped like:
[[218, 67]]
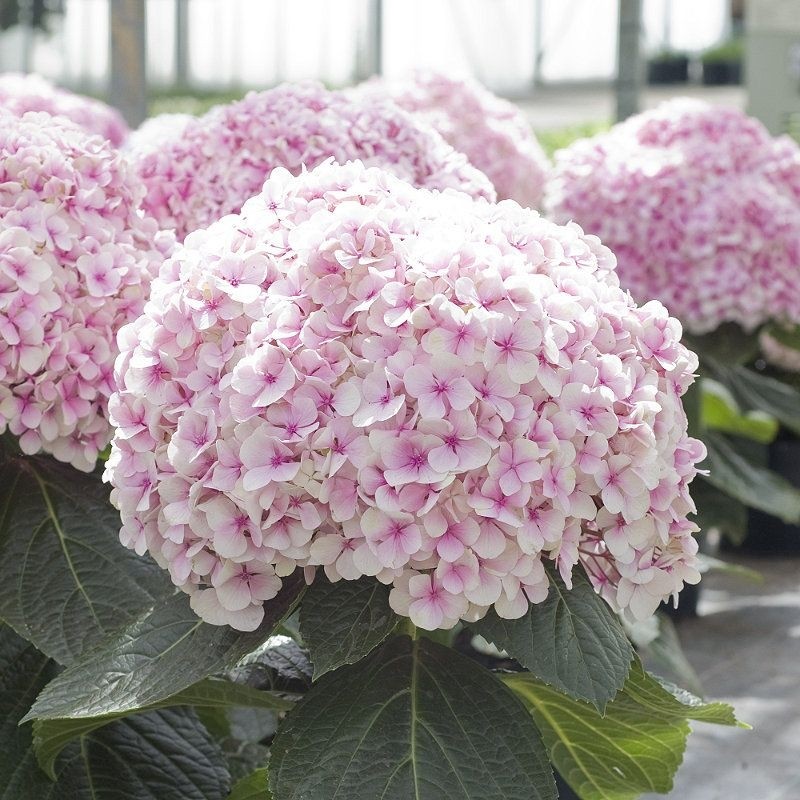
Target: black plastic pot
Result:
[[722, 73], [767, 535], [564, 791], [668, 70], [687, 607]]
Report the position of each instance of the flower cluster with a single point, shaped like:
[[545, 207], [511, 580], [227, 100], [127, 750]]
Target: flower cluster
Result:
[[493, 133], [366, 378], [76, 259], [21, 93], [701, 207], [162, 129], [212, 165]]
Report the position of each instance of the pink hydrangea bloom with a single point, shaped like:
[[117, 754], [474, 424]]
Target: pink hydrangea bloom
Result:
[[493, 133], [363, 378], [701, 207], [76, 260], [211, 165], [21, 93], [162, 129]]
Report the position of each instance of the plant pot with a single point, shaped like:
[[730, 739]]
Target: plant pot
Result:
[[768, 535], [668, 70], [564, 791], [722, 73]]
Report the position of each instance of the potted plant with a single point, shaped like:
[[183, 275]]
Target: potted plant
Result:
[[668, 67], [722, 65], [339, 436]]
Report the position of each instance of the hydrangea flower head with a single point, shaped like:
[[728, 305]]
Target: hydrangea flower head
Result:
[[701, 207], [358, 377], [216, 162], [493, 133], [162, 129], [76, 260], [21, 93]]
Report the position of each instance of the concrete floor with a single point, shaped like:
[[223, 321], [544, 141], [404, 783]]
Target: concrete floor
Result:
[[561, 106], [745, 647]]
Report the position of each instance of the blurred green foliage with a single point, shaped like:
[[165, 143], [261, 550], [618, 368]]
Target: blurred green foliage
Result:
[[37, 12], [198, 102], [552, 139], [732, 50]]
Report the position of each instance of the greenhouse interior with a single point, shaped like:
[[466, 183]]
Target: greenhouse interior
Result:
[[399, 399]]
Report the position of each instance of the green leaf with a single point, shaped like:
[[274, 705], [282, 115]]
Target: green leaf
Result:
[[51, 735], [164, 755], [727, 344], [721, 412], [754, 486], [279, 664], [253, 787], [65, 580], [161, 755], [716, 509], [23, 673], [707, 563], [244, 757], [572, 641], [163, 653], [636, 747], [666, 652], [341, 622], [412, 721], [754, 390]]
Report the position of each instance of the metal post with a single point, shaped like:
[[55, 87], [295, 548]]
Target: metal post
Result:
[[26, 26], [182, 42], [538, 39], [128, 84], [629, 58], [370, 57]]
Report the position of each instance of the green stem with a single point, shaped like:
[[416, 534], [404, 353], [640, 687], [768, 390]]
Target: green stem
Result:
[[408, 628]]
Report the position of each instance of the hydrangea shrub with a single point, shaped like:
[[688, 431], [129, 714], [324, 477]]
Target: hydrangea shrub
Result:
[[216, 162], [493, 133], [76, 260], [701, 207], [363, 378], [352, 413], [22, 93]]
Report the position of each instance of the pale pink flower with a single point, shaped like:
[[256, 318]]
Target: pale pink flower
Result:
[[432, 606], [22, 93], [406, 459], [501, 405], [393, 539], [76, 260], [439, 386], [701, 206], [265, 460], [494, 134], [516, 464]]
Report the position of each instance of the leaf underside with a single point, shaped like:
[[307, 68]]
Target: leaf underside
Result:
[[636, 747]]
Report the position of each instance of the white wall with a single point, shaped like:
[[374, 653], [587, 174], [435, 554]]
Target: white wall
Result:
[[261, 42]]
